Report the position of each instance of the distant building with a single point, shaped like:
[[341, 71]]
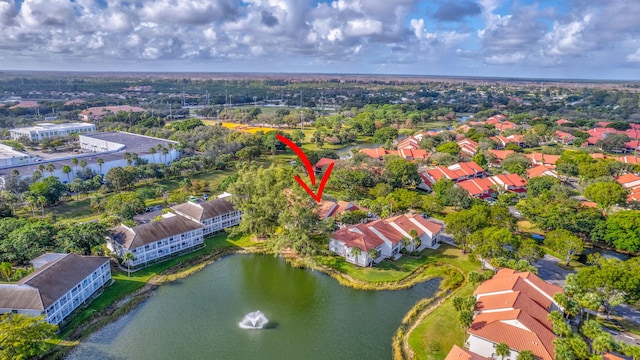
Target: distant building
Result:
[[11, 158], [48, 130], [97, 113], [59, 285]]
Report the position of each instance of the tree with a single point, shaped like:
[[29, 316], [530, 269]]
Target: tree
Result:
[[606, 194], [465, 317], [152, 151], [450, 147], [373, 254], [51, 168], [125, 205], [82, 238], [67, 170], [355, 252], [6, 269], [50, 188], [503, 350], [381, 135], [622, 229], [23, 336], [120, 178], [100, 162], [560, 327], [516, 164], [564, 243], [538, 185], [402, 172], [526, 355], [128, 257], [463, 223], [489, 243]]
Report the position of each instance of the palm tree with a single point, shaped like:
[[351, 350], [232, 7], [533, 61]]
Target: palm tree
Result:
[[31, 199], [406, 242], [602, 343], [466, 318], [83, 164], [128, 258], [355, 252], [502, 350], [6, 269], [37, 175], [100, 161], [67, 170], [373, 253], [51, 168], [41, 201], [415, 238], [127, 156], [74, 161], [41, 168], [152, 151], [165, 151]]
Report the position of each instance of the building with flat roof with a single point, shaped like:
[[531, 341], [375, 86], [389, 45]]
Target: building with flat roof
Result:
[[10, 157], [49, 130], [59, 285]]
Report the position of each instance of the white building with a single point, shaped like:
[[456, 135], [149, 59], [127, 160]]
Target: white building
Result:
[[10, 158], [215, 215], [49, 130], [59, 285], [386, 236], [156, 241]]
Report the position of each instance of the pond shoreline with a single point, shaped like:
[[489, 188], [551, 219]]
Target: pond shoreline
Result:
[[130, 301]]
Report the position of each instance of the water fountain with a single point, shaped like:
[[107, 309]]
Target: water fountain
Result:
[[254, 320]]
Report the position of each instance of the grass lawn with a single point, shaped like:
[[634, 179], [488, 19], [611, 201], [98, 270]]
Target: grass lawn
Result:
[[440, 330], [124, 285]]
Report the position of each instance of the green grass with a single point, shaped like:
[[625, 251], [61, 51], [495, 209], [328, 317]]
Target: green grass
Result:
[[440, 330], [124, 285]]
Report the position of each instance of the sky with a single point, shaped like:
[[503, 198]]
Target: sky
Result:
[[560, 39]]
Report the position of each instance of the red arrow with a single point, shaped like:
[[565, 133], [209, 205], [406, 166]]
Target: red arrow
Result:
[[310, 170]]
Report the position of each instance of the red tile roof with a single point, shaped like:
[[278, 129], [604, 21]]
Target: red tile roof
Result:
[[458, 353], [628, 180], [628, 159], [456, 171], [501, 154], [325, 162], [544, 159], [376, 153], [542, 170]]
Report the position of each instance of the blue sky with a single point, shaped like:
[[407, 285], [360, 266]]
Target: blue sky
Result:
[[585, 39]]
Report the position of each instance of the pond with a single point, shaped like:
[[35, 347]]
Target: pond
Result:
[[345, 153], [310, 316]]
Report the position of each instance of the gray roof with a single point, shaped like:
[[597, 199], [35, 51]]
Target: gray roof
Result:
[[131, 238], [204, 210], [47, 284]]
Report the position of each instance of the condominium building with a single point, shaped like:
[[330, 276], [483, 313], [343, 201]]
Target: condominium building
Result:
[[58, 286]]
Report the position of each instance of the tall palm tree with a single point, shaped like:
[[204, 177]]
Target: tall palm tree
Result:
[[74, 161], [67, 170], [406, 242], [526, 355], [37, 175], [152, 151], [355, 252], [373, 253], [51, 168], [416, 239], [100, 161], [165, 151], [83, 164], [502, 350], [127, 156], [41, 168], [128, 258]]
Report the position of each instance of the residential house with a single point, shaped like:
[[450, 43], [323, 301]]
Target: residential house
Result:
[[542, 170], [564, 137], [513, 308], [156, 241], [323, 163], [214, 215], [631, 182], [329, 208], [627, 159], [376, 153], [503, 141], [413, 154], [58, 286], [486, 187], [456, 172], [563, 121], [458, 353], [543, 159], [468, 147], [500, 155], [385, 236]]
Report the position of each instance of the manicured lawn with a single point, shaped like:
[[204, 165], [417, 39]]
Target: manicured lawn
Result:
[[387, 271], [440, 330]]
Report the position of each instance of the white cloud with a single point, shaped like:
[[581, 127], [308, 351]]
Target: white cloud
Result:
[[634, 57]]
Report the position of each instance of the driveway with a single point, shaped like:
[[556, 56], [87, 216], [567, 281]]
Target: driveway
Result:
[[549, 270]]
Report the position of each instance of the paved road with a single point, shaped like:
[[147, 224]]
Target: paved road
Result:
[[549, 270]]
